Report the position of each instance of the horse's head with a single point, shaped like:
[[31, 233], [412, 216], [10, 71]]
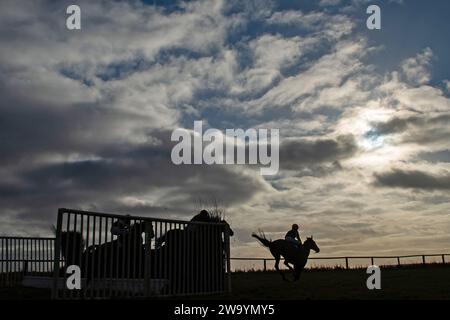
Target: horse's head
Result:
[[229, 228], [310, 244]]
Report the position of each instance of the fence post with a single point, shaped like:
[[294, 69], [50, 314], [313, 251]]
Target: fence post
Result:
[[423, 259], [443, 258], [346, 262], [398, 261], [56, 254], [265, 265]]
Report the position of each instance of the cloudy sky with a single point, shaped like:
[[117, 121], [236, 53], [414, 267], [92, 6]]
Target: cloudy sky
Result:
[[86, 116]]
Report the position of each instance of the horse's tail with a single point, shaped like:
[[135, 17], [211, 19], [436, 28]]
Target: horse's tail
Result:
[[262, 238]]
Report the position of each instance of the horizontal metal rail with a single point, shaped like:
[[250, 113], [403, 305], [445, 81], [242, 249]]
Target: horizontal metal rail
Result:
[[121, 216]]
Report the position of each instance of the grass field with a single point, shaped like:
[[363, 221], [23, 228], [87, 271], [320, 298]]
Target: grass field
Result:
[[429, 282], [432, 282]]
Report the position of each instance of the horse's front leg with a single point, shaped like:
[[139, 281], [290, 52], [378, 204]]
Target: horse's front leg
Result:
[[297, 273]]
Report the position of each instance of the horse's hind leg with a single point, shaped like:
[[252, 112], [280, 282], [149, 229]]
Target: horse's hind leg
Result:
[[287, 265], [277, 267]]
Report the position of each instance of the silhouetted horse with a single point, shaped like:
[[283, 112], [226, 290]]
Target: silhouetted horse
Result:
[[194, 254], [123, 257], [291, 254]]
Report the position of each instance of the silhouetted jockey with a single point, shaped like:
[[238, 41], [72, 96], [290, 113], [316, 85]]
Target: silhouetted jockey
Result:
[[293, 236], [203, 216], [121, 226]]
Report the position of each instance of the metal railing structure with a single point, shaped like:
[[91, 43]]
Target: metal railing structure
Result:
[[346, 260], [24, 256], [149, 256]]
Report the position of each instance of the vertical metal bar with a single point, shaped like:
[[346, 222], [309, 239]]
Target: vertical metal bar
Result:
[[86, 257], [165, 260], [17, 260], [346, 263], [105, 258], [371, 261], [188, 248], [127, 258], [159, 257], [122, 262], [182, 268], [178, 270], [227, 248], [45, 253], [3, 265], [22, 256], [214, 261], [35, 256], [99, 258], [39, 244], [219, 261], [170, 246], [147, 262], [93, 261], [132, 268], [57, 254], [423, 260], [67, 261], [198, 262], [72, 252], [14, 258], [118, 265], [46, 257], [142, 251], [208, 257], [112, 271], [398, 261], [443, 259], [8, 262], [80, 255], [222, 261], [1, 262]]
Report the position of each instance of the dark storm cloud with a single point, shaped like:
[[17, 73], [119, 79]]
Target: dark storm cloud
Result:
[[131, 172], [399, 125], [29, 129], [420, 129], [297, 154], [436, 157], [414, 179]]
